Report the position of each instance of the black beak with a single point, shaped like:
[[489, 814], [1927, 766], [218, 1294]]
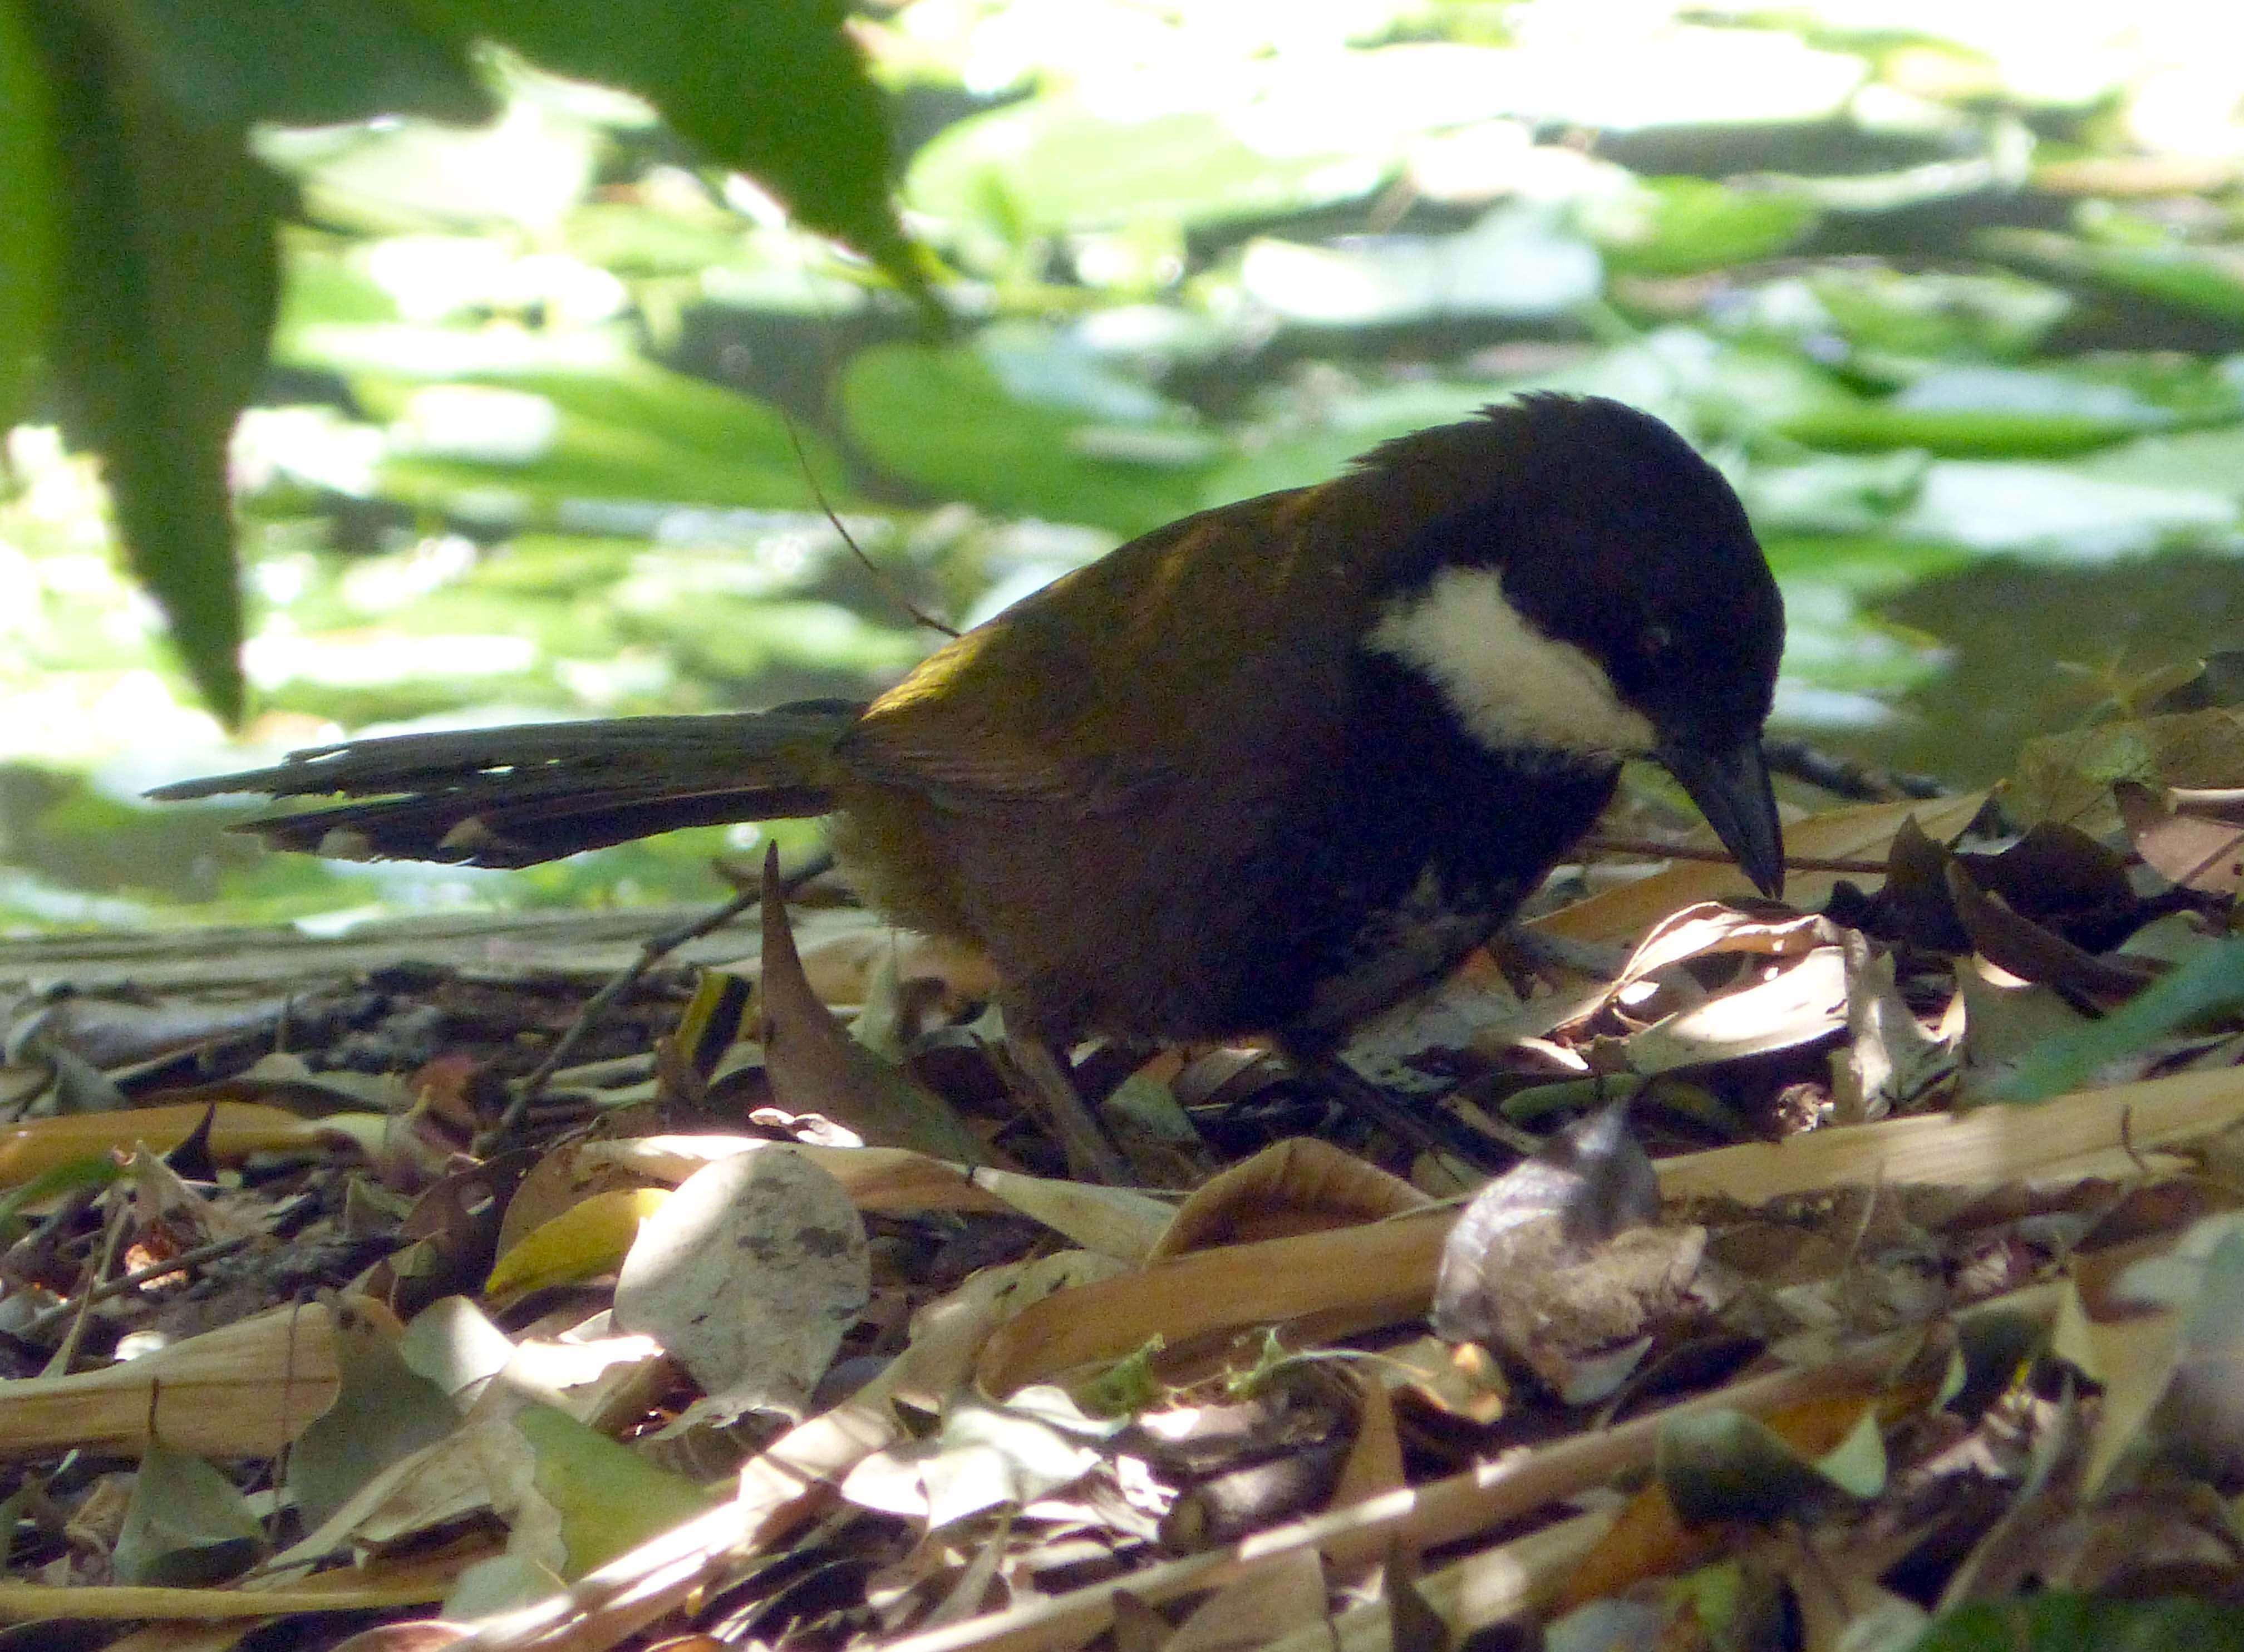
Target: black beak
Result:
[[1731, 787]]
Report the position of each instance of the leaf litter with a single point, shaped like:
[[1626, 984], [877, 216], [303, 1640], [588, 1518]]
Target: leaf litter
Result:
[[1866, 1269]]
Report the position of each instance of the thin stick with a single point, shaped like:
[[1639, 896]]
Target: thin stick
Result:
[[651, 951], [1605, 844], [113, 1232], [117, 1287]]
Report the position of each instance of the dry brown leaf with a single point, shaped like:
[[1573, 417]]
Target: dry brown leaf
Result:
[[1845, 834], [1120, 1221], [815, 1067], [413, 1582], [1888, 1061], [2200, 847], [749, 1275], [1375, 1274], [1650, 1539], [883, 1180], [1375, 1458], [1797, 1004], [1254, 1610], [1298, 1186], [1482, 1590], [566, 1176], [2033, 953], [2130, 1350]]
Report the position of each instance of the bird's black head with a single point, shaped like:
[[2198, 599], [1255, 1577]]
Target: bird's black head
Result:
[[1596, 593]]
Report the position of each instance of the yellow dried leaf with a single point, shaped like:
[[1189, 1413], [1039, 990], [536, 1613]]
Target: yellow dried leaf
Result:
[[239, 1130], [588, 1239]]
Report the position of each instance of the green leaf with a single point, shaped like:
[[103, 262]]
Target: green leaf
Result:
[[1725, 1466], [1290, 451], [610, 1499], [169, 244], [546, 422], [28, 208], [777, 89], [2206, 280], [1053, 163], [1676, 226], [1022, 424], [303, 63], [1980, 411], [2054, 1622], [2208, 987], [383, 1412], [185, 1524], [1935, 313]]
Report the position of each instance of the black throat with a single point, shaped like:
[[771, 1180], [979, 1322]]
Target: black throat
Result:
[[1419, 844]]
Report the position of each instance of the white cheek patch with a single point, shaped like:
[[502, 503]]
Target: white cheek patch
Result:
[[1509, 684]]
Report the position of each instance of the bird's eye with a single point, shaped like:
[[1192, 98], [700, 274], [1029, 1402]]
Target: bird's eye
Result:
[[1657, 641]]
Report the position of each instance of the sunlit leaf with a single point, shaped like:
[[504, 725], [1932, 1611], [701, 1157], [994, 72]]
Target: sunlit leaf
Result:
[[1673, 226], [2209, 281], [1951, 314], [608, 1496], [1512, 263], [779, 90]]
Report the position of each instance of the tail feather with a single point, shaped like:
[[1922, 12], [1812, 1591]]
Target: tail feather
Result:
[[533, 792]]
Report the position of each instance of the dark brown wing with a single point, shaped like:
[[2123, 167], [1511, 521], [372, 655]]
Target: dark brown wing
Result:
[[1129, 674]]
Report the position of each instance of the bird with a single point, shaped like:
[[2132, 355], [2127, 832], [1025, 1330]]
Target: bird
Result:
[[1266, 770]]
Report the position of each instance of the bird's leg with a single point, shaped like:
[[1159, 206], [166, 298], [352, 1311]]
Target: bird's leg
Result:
[[1417, 1121], [1092, 1154]]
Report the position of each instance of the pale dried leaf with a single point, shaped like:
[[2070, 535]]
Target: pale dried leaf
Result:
[[749, 1277], [1888, 1061], [1796, 1005]]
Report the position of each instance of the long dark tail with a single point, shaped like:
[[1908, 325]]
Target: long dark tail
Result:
[[532, 792]]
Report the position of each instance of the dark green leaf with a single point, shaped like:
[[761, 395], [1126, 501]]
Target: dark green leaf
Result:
[[2209, 985], [2054, 1622], [1725, 1465], [185, 1524], [27, 207], [776, 89], [306, 62], [161, 333]]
